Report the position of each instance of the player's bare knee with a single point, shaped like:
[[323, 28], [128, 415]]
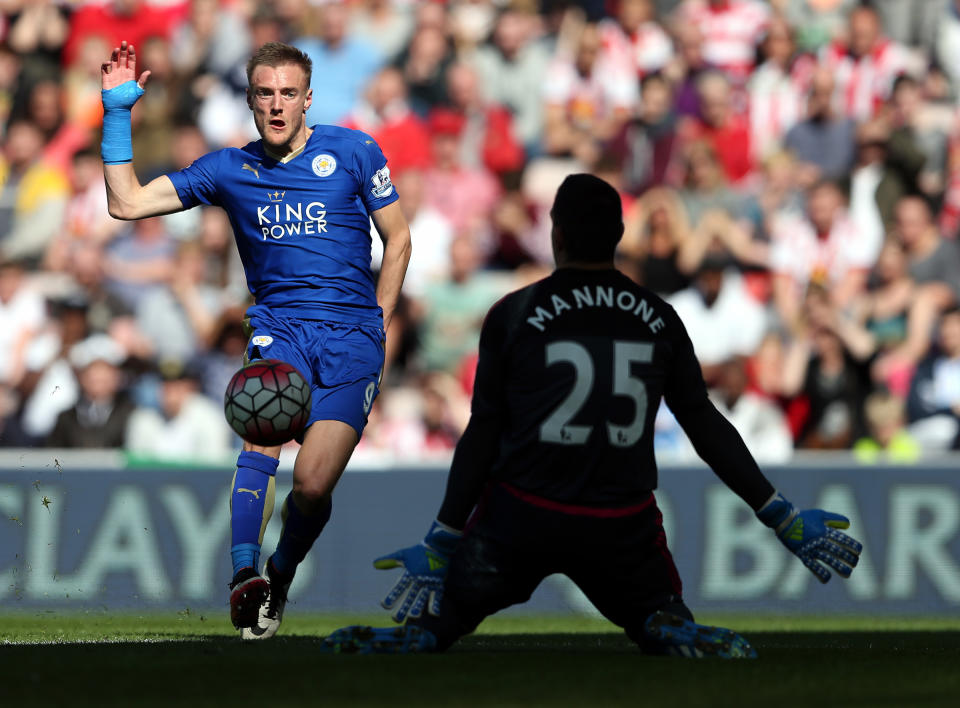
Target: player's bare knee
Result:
[[312, 493]]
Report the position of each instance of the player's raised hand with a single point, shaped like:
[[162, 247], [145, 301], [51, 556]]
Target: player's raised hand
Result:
[[122, 68], [424, 570], [812, 535]]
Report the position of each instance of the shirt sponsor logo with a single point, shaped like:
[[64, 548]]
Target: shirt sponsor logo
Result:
[[262, 340], [280, 218], [382, 186], [324, 165]]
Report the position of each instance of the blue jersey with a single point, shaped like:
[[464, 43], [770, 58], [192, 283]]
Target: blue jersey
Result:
[[302, 226]]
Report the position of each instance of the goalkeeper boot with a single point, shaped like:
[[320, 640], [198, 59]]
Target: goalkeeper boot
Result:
[[271, 609], [405, 639], [677, 636], [248, 591]]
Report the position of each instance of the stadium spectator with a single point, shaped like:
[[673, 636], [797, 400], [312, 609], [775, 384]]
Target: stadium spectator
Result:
[[776, 90], [385, 114], [81, 84], [829, 363], [654, 232], [889, 438], [33, 195], [139, 260], [218, 363], [722, 319], [385, 24], [511, 69], [720, 126], [823, 142], [453, 310], [921, 119], [947, 46], [212, 40], [487, 136], [731, 30], [424, 65], [430, 231], [759, 421], [648, 144], [934, 267], [342, 65], [818, 22], [50, 385], [934, 398], [464, 195], [180, 319], [883, 310], [86, 219], [588, 99], [865, 65], [40, 28], [776, 193], [685, 68], [117, 20], [222, 113], [822, 247], [187, 425], [635, 39], [22, 313], [911, 22], [100, 416], [705, 184]]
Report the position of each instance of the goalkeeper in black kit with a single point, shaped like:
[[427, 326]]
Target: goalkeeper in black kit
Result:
[[555, 472]]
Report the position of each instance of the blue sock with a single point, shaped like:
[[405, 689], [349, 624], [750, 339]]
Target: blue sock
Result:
[[251, 506], [299, 533]]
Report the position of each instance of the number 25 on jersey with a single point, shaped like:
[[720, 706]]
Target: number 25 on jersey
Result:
[[557, 428]]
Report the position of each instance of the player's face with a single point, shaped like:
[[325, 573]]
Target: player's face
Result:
[[279, 97]]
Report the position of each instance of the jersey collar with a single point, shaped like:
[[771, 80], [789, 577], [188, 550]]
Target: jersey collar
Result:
[[284, 159]]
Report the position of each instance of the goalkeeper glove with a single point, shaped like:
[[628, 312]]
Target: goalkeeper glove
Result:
[[811, 535], [425, 568]]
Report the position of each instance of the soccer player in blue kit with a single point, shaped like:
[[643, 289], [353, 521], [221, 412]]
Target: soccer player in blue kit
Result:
[[300, 201]]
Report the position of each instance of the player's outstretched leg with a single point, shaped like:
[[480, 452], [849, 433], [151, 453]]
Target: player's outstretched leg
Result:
[[251, 506], [405, 639], [682, 637]]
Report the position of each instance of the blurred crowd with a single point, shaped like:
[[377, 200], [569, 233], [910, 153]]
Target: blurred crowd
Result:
[[790, 174]]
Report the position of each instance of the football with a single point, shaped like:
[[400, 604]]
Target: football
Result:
[[267, 402]]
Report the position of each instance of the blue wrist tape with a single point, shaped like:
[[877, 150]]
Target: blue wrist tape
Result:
[[116, 147]]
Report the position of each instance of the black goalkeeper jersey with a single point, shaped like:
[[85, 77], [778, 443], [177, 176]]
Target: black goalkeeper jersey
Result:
[[573, 368]]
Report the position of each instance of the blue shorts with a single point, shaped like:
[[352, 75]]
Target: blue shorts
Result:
[[342, 362]]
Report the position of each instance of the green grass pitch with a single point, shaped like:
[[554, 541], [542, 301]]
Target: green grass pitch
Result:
[[191, 659]]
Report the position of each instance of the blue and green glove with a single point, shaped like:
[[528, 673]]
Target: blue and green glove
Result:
[[424, 570], [812, 536]]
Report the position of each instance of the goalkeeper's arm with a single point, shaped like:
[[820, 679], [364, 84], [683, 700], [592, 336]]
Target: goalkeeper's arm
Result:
[[810, 534]]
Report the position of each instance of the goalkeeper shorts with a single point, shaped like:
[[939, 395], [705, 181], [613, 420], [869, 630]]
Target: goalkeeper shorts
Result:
[[621, 563]]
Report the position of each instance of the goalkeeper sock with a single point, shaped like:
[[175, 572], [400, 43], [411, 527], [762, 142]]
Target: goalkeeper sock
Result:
[[251, 506], [298, 534]]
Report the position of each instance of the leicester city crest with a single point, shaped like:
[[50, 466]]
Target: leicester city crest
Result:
[[324, 165]]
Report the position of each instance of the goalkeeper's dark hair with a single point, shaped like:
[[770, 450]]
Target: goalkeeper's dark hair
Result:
[[278, 54], [589, 214]]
